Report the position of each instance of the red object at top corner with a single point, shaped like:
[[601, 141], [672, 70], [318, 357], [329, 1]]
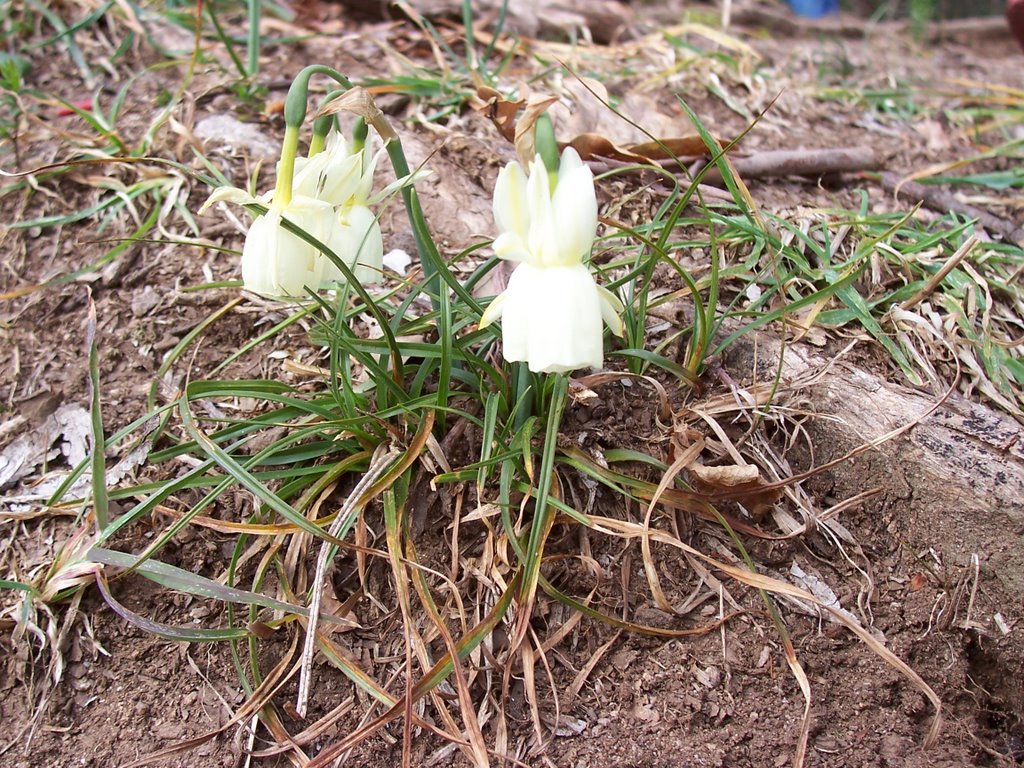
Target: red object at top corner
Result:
[[1015, 18]]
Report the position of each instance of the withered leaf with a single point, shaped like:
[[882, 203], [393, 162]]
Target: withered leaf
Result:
[[741, 483]]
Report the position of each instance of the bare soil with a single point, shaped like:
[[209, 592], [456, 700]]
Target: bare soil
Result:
[[937, 574]]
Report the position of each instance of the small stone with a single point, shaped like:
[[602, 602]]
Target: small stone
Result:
[[145, 302], [236, 136]]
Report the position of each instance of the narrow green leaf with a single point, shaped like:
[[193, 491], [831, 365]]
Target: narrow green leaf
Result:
[[167, 631], [185, 581]]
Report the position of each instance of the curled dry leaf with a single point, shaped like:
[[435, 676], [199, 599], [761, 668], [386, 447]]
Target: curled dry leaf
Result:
[[504, 113], [590, 145], [741, 483], [499, 110], [359, 102], [536, 105]]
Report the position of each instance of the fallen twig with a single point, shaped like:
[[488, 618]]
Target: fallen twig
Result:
[[943, 202], [788, 162]]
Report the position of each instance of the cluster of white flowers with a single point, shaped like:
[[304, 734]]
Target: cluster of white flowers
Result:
[[552, 310], [330, 202]]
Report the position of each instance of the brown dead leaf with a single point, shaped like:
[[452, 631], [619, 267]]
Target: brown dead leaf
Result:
[[536, 105], [499, 110], [741, 483], [591, 145], [359, 102], [665, 149], [504, 113]]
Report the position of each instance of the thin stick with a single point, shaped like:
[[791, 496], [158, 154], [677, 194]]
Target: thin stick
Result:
[[379, 462], [942, 202], [929, 288], [801, 162]]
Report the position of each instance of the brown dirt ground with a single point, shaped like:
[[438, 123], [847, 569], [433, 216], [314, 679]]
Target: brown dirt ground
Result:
[[725, 698]]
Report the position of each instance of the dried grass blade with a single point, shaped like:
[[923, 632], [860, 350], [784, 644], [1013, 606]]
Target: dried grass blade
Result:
[[584, 674], [685, 458], [358, 497], [431, 679], [193, 584], [477, 752], [629, 626], [166, 631]]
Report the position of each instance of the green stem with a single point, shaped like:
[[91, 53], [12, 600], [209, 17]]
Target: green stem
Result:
[[430, 258], [323, 124], [298, 92], [253, 44], [286, 170], [294, 116], [359, 133], [321, 127]]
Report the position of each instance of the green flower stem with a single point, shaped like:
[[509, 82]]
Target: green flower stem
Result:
[[435, 270], [321, 127], [360, 130], [294, 116], [286, 169], [298, 92], [430, 258]]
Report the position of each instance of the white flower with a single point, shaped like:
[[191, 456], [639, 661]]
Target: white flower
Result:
[[344, 178], [336, 174], [276, 262], [552, 309], [330, 196], [357, 241]]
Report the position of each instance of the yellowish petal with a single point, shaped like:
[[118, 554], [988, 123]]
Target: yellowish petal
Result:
[[509, 246], [227, 195], [574, 209], [552, 319], [510, 205], [493, 311], [611, 310]]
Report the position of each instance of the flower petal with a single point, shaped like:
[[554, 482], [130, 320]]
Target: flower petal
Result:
[[611, 310], [493, 312], [342, 179], [276, 262], [510, 246], [308, 177], [574, 207], [356, 240], [552, 319], [543, 237], [227, 195], [408, 180], [510, 206], [367, 167]]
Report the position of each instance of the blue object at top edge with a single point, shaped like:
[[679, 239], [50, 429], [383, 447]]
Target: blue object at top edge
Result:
[[814, 9]]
